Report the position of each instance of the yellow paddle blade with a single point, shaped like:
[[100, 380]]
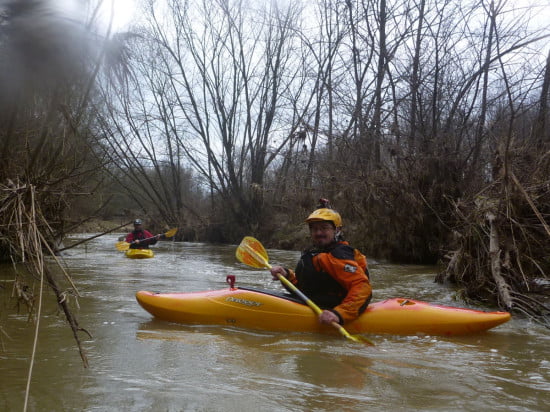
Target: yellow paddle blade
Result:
[[362, 339], [256, 246], [171, 232], [122, 246], [354, 338], [252, 253]]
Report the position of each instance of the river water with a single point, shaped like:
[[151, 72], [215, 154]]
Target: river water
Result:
[[137, 363]]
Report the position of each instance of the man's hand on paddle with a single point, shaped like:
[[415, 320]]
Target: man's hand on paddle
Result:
[[328, 317], [275, 270]]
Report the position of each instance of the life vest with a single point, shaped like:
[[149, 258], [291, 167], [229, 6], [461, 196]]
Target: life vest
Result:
[[320, 286], [139, 235]]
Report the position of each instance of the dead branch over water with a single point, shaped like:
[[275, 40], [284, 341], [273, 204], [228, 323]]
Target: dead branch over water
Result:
[[30, 238]]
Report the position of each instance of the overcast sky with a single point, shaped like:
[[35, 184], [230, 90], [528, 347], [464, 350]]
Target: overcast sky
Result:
[[125, 11]]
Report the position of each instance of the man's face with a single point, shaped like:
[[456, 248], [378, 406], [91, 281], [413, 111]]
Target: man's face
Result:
[[322, 233], [137, 227]]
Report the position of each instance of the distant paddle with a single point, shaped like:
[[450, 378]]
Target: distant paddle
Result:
[[123, 246], [252, 253]]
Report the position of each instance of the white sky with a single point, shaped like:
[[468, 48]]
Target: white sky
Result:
[[541, 10], [125, 11]]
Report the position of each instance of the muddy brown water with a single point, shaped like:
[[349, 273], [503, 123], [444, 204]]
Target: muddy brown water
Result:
[[138, 363]]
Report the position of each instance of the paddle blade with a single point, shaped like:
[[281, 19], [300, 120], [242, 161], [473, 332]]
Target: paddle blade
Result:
[[341, 329], [171, 232], [252, 253], [256, 246], [122, 246], [355, 338], [362, 339]]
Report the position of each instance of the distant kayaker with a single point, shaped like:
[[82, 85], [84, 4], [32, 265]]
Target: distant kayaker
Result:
[[332, 274], [137, 236]]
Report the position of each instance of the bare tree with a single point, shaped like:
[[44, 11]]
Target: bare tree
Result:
[[210, 88], [540, 131]]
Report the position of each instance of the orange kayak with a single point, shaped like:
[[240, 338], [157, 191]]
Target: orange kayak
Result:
[[256, 309], [139, 253]]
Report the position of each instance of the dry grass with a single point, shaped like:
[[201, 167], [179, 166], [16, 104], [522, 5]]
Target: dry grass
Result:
[[26, 232]]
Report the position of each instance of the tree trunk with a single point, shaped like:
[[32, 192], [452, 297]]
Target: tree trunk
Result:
[[494, 252], [540, 132]]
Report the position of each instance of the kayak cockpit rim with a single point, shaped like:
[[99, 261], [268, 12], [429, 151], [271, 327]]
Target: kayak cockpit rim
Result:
[[283, 295]]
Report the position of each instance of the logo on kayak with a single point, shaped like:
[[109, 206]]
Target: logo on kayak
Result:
[[243, 301]]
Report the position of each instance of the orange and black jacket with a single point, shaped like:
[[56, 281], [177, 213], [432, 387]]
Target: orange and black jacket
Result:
[[335, 278]]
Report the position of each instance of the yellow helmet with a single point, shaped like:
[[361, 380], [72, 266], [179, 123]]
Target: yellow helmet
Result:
[[325, 214]]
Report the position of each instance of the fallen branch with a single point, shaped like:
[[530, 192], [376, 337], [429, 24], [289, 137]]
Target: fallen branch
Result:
[[62, 301], [93, 237], [530, 201]]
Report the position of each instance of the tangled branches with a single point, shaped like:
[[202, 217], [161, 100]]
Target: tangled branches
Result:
[[27, 237], [501, 247]]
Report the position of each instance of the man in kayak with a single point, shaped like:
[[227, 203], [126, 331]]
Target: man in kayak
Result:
[[137, 236], [331, 273]]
